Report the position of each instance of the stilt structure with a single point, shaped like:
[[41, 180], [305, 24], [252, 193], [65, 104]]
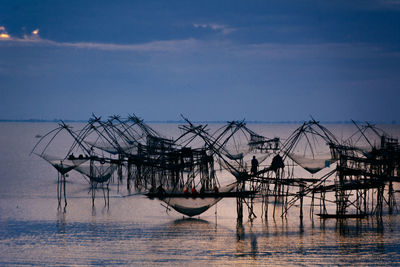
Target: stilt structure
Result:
[[196, 169]]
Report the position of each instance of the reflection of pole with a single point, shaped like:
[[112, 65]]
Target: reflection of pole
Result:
[[93, 193], [65, 194], [301, 199], [61, 184], [372, 200], [239, 208], [58, 190], [266, 202], [120, 158], [92, 174], [380, 200], [129, 174], [312, 205], [390, 197], [276, 190], [365, 196], [239, 203], [239, 231], [250, 203], [323, 202], [106, 198]]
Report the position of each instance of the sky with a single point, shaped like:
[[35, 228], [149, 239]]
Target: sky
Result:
[[208, 60]]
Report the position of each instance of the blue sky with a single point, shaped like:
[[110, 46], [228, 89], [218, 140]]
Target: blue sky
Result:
[[209, 60]]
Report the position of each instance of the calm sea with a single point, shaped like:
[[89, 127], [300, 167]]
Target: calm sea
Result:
[[135, 230]]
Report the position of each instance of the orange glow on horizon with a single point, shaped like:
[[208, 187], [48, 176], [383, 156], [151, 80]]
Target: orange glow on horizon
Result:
[[35, 32], [4, 36]]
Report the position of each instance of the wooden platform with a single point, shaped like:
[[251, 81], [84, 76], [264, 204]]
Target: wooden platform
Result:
[[342, 216], [201, 195]]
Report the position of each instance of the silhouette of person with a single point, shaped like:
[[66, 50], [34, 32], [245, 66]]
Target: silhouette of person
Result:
[[277, 163], [254, 165]]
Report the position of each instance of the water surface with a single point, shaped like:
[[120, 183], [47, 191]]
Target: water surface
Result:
[[135, 230]]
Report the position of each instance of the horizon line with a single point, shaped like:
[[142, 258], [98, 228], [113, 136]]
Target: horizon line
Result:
[[207, 121]]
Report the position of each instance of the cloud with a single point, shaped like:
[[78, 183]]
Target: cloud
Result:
[[35, 39], [176, 45], [215, 27], [272, 51]]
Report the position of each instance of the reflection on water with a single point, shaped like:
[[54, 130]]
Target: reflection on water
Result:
[[67, 241], [135, 230]]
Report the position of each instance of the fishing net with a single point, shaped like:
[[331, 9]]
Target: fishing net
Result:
[[62, 165], [112, 149], [100, 173], [192, 206], [312, 165]]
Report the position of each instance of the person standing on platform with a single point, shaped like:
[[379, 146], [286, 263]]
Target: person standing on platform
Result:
[[254, 166]]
